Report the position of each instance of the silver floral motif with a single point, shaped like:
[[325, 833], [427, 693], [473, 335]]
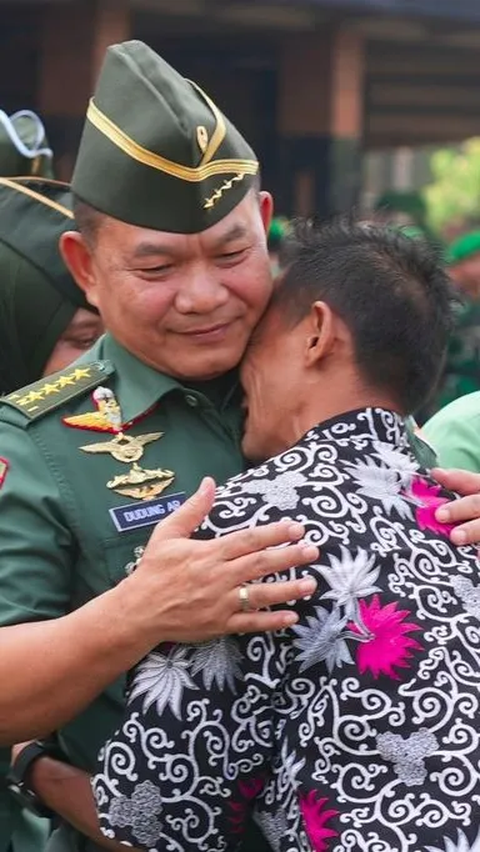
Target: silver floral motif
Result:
[[274, 826], [281, 492], [321, 640], [162, 680], [408, 755], [140, 811], [218, 662], [350, 578], [397, 460], [379, 482]]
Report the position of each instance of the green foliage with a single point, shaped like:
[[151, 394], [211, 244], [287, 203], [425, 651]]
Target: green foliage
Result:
[[454, 193]]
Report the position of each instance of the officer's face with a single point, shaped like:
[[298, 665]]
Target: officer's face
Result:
[[184, 304]]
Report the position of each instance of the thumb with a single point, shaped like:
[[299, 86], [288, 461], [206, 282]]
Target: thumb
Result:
[[462, 481], [185, 519]]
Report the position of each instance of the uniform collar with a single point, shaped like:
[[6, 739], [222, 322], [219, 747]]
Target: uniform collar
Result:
[[138, 386]]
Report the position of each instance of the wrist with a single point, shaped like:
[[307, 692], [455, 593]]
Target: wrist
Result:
[[139, 632], [28, 765]]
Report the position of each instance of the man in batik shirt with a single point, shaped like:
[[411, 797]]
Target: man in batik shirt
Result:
[[357, 729]]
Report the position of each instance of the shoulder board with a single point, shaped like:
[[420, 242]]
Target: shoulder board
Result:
[[51, 392]]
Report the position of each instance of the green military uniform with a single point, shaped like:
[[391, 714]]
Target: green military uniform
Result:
[[24, 148], [77, 501], [454, 433]]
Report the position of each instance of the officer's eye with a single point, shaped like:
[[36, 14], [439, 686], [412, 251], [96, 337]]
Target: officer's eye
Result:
[[232, 255]]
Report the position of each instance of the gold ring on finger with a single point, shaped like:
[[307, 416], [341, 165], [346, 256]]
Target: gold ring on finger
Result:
[[244, 598]]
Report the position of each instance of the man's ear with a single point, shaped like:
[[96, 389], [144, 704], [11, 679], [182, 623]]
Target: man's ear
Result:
[[266, 208], [78, 260], [322, 333]]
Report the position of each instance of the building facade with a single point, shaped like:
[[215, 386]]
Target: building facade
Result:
[[312, 83]]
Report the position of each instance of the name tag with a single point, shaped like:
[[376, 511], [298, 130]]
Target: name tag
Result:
[[145, 513]]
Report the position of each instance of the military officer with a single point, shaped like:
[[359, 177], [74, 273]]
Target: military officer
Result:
[[172, 251], [24, 148]]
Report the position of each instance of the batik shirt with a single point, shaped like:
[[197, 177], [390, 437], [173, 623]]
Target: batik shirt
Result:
[[358, 728]]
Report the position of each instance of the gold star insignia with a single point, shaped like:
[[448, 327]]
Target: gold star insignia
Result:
[[33, 396], [63, 381], [81, 373], [49, 388]]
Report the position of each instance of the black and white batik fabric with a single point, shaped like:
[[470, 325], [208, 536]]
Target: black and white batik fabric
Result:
[[357, 729]]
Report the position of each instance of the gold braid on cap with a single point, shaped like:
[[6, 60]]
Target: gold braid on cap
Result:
[[206, 169], [36, 196]]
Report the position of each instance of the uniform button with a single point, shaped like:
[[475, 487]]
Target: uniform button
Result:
[[191, 400]]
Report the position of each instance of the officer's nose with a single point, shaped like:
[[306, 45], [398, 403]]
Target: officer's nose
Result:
[[201, 293]]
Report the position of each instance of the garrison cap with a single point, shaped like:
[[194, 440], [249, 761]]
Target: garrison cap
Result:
[[38, 296], [34, 213], [24, 148], [156, 151]]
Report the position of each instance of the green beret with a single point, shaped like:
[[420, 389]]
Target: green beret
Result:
[[156, 151], [24, 148], [464, 247]]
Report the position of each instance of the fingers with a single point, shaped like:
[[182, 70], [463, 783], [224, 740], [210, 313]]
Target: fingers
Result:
[[189, 516], [462, 481], [261, 622], [258, 565], [243, 542], [468, 533], [264, 595], [467, 508]]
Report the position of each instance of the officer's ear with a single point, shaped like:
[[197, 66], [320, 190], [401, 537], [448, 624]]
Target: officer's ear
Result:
[[265, 201], [77, 257]]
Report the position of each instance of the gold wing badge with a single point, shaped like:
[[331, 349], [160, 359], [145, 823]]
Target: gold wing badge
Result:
[[128, 449]]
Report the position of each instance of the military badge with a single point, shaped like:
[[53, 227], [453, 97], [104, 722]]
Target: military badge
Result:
[[108, 418], [141, 484], [138, 483]]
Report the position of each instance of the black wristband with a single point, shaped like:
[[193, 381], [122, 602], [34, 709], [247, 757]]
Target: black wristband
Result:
[[17, 777]]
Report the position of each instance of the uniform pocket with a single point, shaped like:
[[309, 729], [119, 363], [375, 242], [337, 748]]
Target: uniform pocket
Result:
[[123, 550]]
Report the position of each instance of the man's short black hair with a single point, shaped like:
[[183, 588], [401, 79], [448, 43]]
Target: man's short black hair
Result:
[[390, 290]]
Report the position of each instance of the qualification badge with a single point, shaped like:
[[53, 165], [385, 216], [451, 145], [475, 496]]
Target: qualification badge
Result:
[[137, 483]]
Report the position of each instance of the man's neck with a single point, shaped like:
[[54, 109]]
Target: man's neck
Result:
[[331, 400]]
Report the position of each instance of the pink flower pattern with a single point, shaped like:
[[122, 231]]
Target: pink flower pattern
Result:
[[427, 498], [315, 817], [390, 646]]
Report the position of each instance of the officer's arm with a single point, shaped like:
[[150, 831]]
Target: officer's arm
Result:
[[68, 792], [54, 663]]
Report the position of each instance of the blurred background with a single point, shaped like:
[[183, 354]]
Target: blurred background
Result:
[[366, 103], [342, 101]]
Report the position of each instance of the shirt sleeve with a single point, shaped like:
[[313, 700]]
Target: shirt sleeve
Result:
[[35, 542], [456, 440]]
